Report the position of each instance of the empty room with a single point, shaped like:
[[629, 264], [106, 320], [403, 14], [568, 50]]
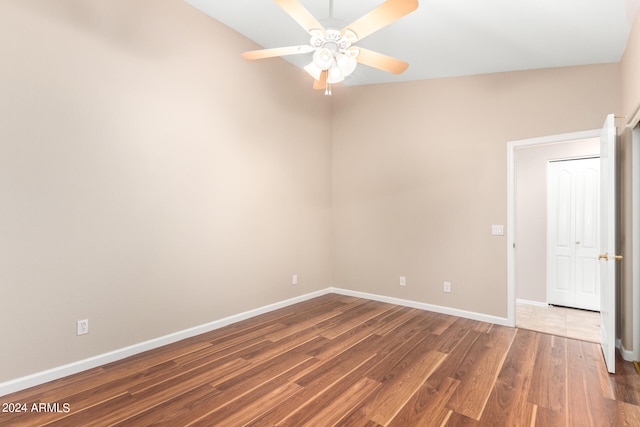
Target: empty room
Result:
[[311, 212]]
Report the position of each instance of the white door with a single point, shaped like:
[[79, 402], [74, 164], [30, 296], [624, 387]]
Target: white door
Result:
[[608, 242], [573, 233]]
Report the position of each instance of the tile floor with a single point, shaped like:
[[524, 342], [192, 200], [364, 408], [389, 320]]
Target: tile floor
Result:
[[567, 322]]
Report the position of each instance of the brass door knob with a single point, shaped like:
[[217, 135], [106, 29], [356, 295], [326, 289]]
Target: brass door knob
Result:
[[606, 256]]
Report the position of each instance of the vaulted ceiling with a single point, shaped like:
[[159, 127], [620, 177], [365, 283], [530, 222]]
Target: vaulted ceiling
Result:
[[446, 38]]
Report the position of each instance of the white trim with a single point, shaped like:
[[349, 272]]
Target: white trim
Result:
[[102, 359], [511, 232], [633, 122], [511, 207], [635, 238], [529, 302], [425, 306], [627, 355]]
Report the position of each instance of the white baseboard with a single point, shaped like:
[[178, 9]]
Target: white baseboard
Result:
[[628, 355], [42, 377], [530, 302], [82, 365], [424, 306]]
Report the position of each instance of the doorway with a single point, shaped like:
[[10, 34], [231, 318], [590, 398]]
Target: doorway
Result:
[[527, 227], [567, 322]]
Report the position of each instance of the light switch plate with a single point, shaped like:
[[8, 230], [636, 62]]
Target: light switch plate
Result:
[[497, 230]]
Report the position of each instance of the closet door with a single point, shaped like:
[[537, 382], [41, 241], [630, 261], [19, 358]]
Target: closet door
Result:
[[572, 233]]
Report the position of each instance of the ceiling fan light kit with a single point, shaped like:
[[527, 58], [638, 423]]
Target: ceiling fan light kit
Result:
[[333, 53], [334, 57]]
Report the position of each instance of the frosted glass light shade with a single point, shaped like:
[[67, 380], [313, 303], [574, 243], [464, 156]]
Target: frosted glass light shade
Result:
[[323, 58], [335, 75], [346, 63], [313, 71]]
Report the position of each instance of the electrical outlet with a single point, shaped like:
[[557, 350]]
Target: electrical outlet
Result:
[[82, 327], [403, 281], [294, 279], [447, 286]]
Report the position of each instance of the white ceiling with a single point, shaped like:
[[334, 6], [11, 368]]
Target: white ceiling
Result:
[[446, 38]]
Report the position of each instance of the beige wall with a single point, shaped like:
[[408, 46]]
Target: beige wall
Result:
[[629, 71], [150, 179], [624, 271], [420, 175], [531, 211]]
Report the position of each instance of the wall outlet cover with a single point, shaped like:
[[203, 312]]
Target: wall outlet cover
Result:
[[82, 327]]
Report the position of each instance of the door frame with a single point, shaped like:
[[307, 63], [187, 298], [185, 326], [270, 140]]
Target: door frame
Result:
[[511, 207], [634, 125]]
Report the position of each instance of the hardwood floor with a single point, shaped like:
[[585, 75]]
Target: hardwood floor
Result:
[[338, 360]]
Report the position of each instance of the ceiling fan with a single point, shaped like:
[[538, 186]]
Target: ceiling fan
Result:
[[334, 56]]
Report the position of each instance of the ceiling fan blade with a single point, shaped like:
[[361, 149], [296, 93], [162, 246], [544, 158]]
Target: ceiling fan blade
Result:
[[322, 83], [300, 14], [381, 61], [277, 51], [380, 17]]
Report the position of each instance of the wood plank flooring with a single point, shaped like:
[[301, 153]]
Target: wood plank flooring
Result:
[[337, 360]]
